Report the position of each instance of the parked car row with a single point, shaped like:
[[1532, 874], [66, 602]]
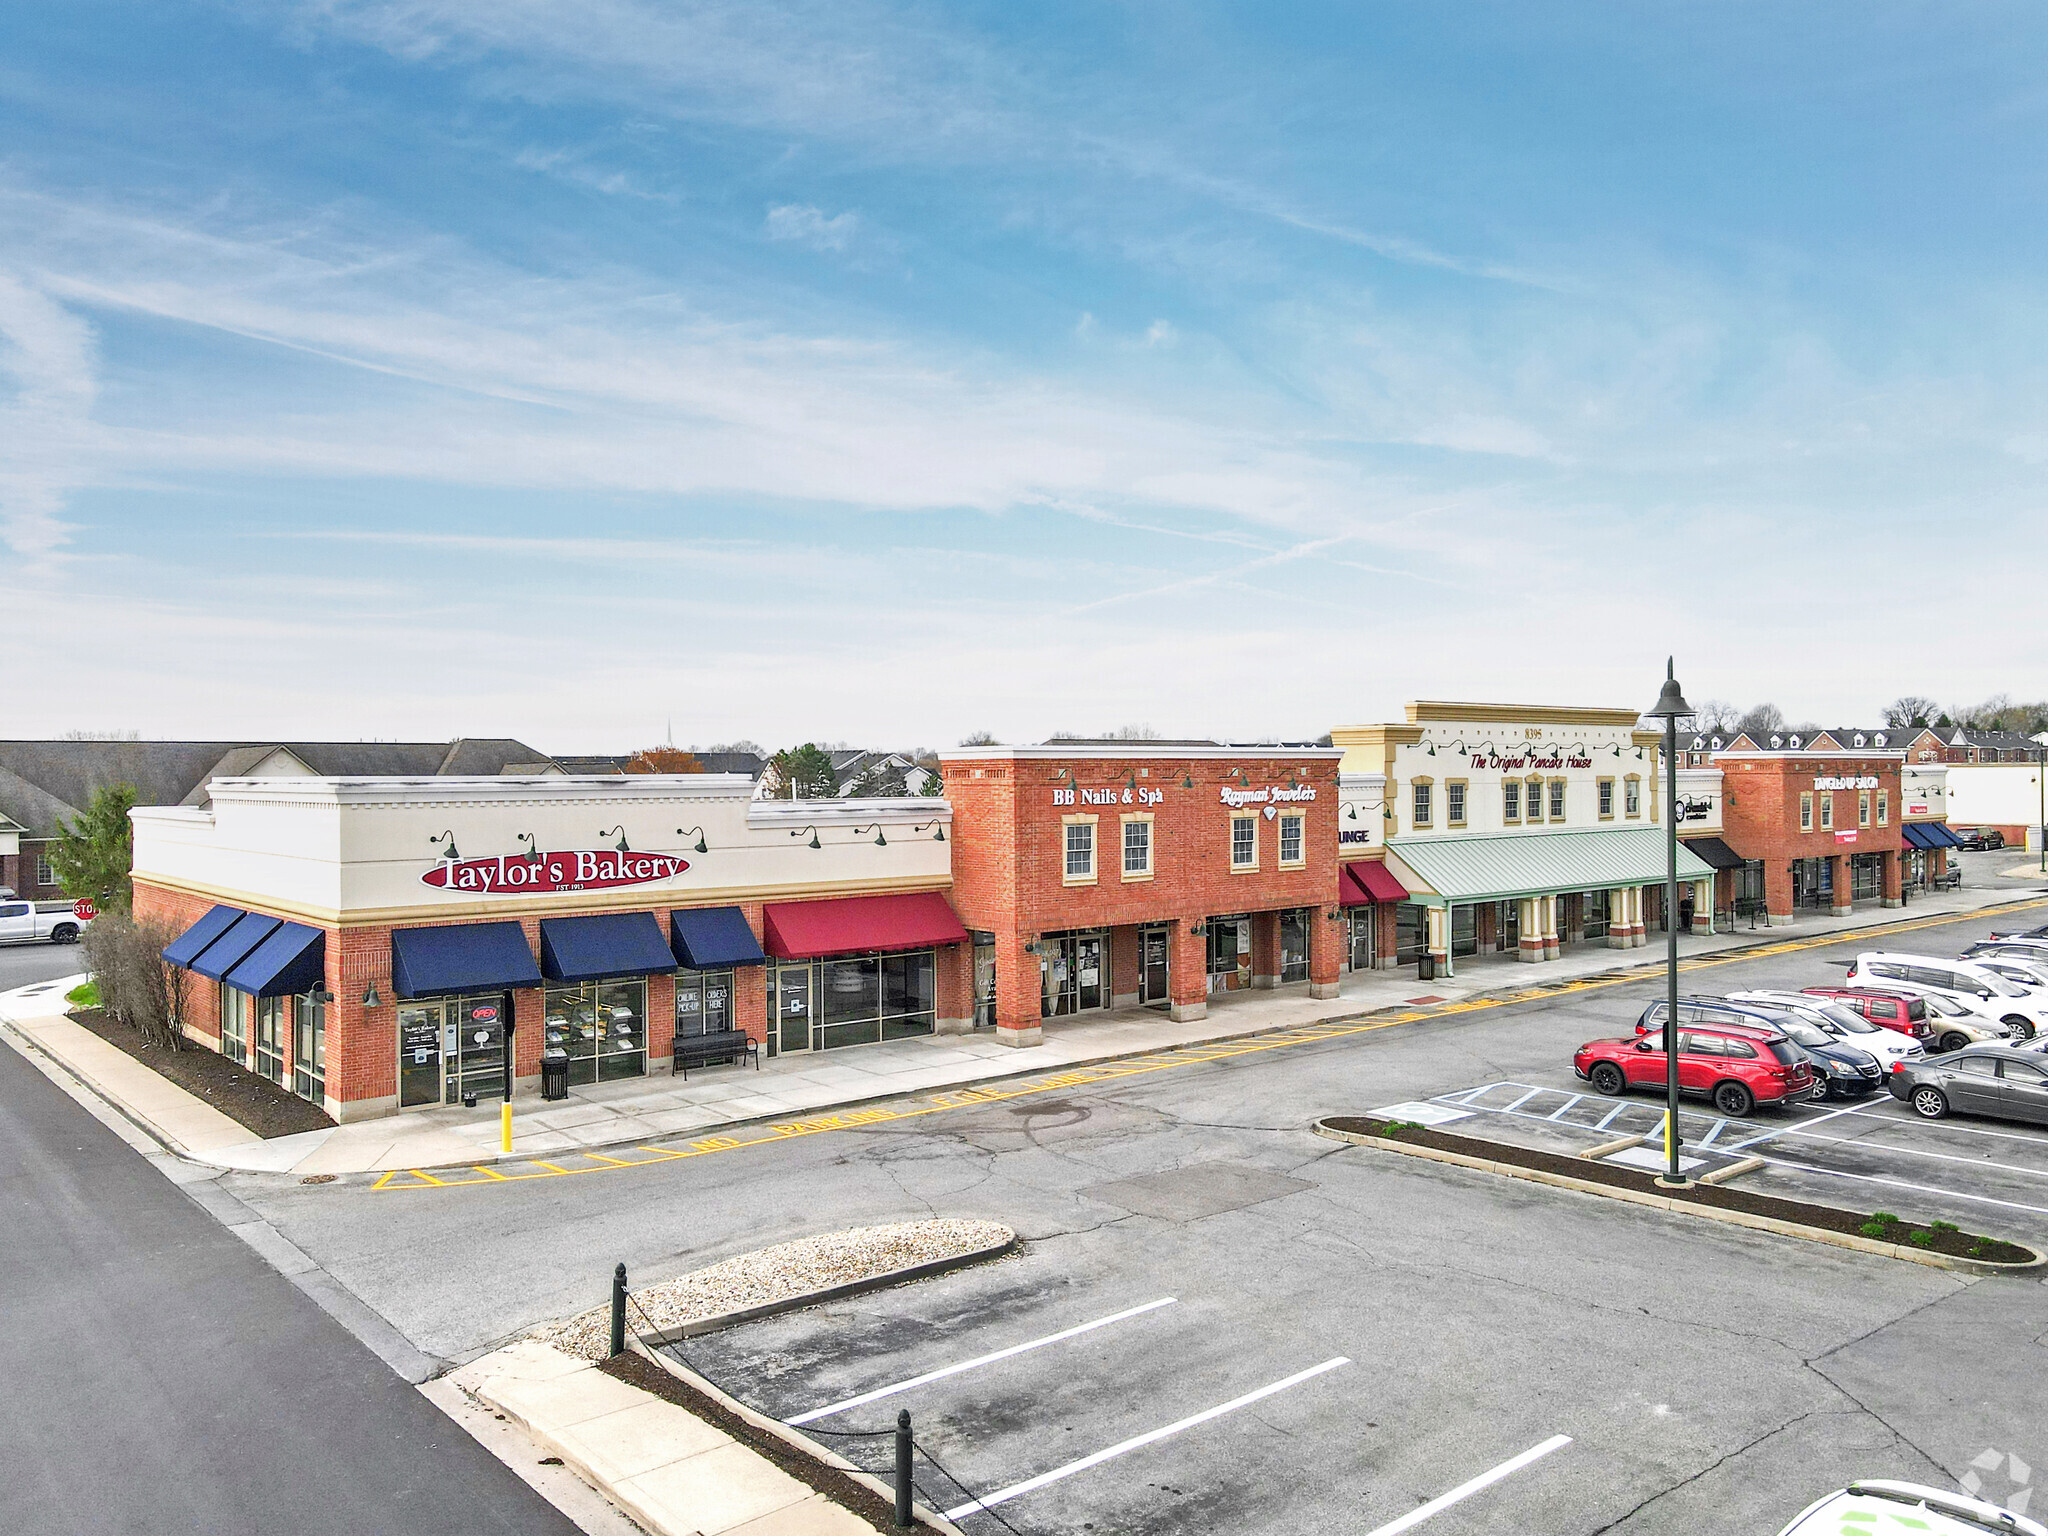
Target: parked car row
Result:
[[1967, 1035]]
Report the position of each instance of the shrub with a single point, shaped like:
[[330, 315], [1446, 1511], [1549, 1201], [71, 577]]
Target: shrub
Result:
[[1943, 1226], [134, 984], [1920, 1239], [1873, 1229]]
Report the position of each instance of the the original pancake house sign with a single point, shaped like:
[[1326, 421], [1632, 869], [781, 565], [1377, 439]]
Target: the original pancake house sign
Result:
[[574, 869]]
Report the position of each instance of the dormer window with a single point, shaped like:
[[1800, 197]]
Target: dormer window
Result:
[[1777, 742], [1859, 740], [1795, 743]]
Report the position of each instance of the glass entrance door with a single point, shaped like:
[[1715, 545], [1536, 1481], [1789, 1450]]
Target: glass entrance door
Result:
[[1154, 975], [1070, 975], [474, 1049], [419, 1054], [792, 1008]]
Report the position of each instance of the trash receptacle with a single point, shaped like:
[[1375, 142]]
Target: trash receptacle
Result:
[[1425, 966], [554, 1074]]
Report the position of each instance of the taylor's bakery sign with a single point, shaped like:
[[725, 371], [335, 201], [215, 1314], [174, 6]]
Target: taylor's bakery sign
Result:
[[575, 869]]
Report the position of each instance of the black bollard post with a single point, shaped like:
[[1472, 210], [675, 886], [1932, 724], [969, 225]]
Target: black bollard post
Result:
[[903, 1516], [619, 1310]]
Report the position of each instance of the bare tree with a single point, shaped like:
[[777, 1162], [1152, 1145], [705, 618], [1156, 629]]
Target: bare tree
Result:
[[1761, 718], [136, 986], [978, 739], [1910, 709], [1716, 717]]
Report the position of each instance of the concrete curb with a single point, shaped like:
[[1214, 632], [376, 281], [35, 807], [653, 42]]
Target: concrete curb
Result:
[[795, 1439], [903, 1276], [1771, 1224]]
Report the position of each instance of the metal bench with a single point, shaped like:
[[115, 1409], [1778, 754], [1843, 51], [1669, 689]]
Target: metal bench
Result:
[[1752, 907], [719, 1046], [1947, 880]]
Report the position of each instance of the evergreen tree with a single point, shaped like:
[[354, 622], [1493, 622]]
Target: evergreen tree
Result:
[[93, 855]]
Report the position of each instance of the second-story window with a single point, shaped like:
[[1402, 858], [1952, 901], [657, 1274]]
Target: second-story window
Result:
[[1510, 800], [1557, 799], [1290, 839], [1244, 842], [1137, 847], [1422, 805], [1454, 802], [1606, 798], [1632, 797], [1080, 849]]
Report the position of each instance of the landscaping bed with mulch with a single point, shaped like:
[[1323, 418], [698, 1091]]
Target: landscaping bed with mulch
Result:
[[1882, 1226], [253, 1102], [637, 1370]]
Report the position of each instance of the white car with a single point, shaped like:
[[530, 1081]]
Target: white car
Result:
[[1982, 990], [1845, 1024], [1879, 1507], [2029, 972]]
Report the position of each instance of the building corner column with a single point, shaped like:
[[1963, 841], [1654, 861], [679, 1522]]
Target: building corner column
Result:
[[1187, 971]]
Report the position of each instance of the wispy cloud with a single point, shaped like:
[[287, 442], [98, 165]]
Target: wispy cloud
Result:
[[45, 419], [806, 225]]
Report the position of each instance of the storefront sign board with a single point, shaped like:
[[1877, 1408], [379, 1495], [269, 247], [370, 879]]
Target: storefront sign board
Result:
[[574, 869], [1866, 781]]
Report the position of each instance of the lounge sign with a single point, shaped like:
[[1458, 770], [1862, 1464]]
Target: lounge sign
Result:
[[574, 869]]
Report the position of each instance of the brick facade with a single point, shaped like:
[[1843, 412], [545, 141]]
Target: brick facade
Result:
[[1775, 813], [1011, 809]]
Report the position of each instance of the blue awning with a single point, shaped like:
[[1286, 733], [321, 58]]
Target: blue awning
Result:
[[188, 946], [1947, 839], [461, 959], [713, 938], [233, 946], [291, 960], [607, 944], [1921, 836]]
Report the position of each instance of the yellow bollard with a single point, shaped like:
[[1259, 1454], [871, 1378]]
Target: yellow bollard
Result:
[[505, 1126], [1667, 1137]]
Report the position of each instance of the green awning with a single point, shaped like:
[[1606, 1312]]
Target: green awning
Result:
[[1500, 867]]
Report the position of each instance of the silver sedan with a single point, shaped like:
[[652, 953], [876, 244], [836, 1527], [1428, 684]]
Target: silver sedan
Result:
[[1994, 1080]]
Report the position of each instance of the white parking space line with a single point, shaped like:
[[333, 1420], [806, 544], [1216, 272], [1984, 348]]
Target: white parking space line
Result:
[[1565, 1107], [1138, 1442], [1525, 1098], [1612, 1115], [1918, 1189], [979, 1360], [1904, 1118], [1444, 1501], [1939, 1157], [1769, 1132]]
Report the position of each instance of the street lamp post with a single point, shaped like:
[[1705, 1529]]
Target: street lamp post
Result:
[[1669, 707]]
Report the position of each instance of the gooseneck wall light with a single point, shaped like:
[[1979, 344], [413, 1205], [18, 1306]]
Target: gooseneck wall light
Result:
[[699, 845], [447, 842]]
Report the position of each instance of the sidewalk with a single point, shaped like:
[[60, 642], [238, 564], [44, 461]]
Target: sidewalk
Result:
[[622, 1113]]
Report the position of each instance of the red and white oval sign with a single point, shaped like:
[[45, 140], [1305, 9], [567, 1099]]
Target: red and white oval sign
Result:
[[575, 869]]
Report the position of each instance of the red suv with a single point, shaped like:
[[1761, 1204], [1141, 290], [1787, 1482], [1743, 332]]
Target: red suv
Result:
[[1894, 1010], [1738, 1066]]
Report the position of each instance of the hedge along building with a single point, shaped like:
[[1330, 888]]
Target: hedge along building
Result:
[[1107, 875], [1824, 825], [1515, 829], [381, 944]]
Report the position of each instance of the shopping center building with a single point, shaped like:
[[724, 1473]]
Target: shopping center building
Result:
[[1103, 875], [1824, 827], [385, 944], [1513, 830]]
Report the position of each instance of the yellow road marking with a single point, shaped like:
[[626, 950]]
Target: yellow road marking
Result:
[[1106, 1071]]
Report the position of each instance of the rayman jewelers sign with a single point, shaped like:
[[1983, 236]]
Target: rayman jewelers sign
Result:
[[1272, 794], [575, 869]]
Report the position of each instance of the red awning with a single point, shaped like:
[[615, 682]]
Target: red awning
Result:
[[799, 930], [1368, 880]]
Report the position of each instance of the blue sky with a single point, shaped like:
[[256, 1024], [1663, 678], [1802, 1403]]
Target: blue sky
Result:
[[884, 372]]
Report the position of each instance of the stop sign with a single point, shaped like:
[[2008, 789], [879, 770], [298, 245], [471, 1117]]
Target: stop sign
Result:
[[84, 910]]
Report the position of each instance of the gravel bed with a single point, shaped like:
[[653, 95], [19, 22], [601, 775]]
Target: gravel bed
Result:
[[776, 1274]]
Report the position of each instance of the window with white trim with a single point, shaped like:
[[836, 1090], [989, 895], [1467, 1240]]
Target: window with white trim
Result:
[[1806, 813], [1607, 799], [1557, 799], [1863, 808], [1137, 846], [1632, 796], [1511, 800], [1884, 807], [46, 873], [1454, 802], [1422, 809], [1080, 850], [1244, 842], [1290, 839], [1827, 810]]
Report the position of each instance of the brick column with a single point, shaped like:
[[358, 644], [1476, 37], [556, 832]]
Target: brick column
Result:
[[1838, 864], [1265, 950], [1891, 880], [1778, 891], [1187, 971], [1125, 957], [954, 985], [749, 1004], [1387, 947], [529, 1033], [1018, 1006], [1328, 929], [661, 1021]]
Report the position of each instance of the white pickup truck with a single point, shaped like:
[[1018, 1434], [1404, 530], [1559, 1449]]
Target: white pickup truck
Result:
[[26, 922]]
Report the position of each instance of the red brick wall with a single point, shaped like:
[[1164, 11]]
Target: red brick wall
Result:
[[1009, 859], [1760, 816]]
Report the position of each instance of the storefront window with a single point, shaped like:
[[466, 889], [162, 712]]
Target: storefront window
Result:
[[270, 1038], [984, 981], [234, 1023], [1410, 931], [309, 1048], [1464, 930], [603, 1027], [865, 998], [1294, 943], [1593, 905], [1230, 953], [703, 1002]]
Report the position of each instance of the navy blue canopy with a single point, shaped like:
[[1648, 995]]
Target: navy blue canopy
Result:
[[188, 946], [292, 960], [461, 959], [713, 938], [1919, 836], [606, 944], [233, 946]]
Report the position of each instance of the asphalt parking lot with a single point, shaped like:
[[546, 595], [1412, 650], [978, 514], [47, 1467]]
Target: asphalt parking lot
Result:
[[1705, 1377], [1871, 1153], [22, 964]]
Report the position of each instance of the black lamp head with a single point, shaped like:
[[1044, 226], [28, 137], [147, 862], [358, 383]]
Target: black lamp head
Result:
[[1670, 703], [448, 839], [699, 845], [620, 845]]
